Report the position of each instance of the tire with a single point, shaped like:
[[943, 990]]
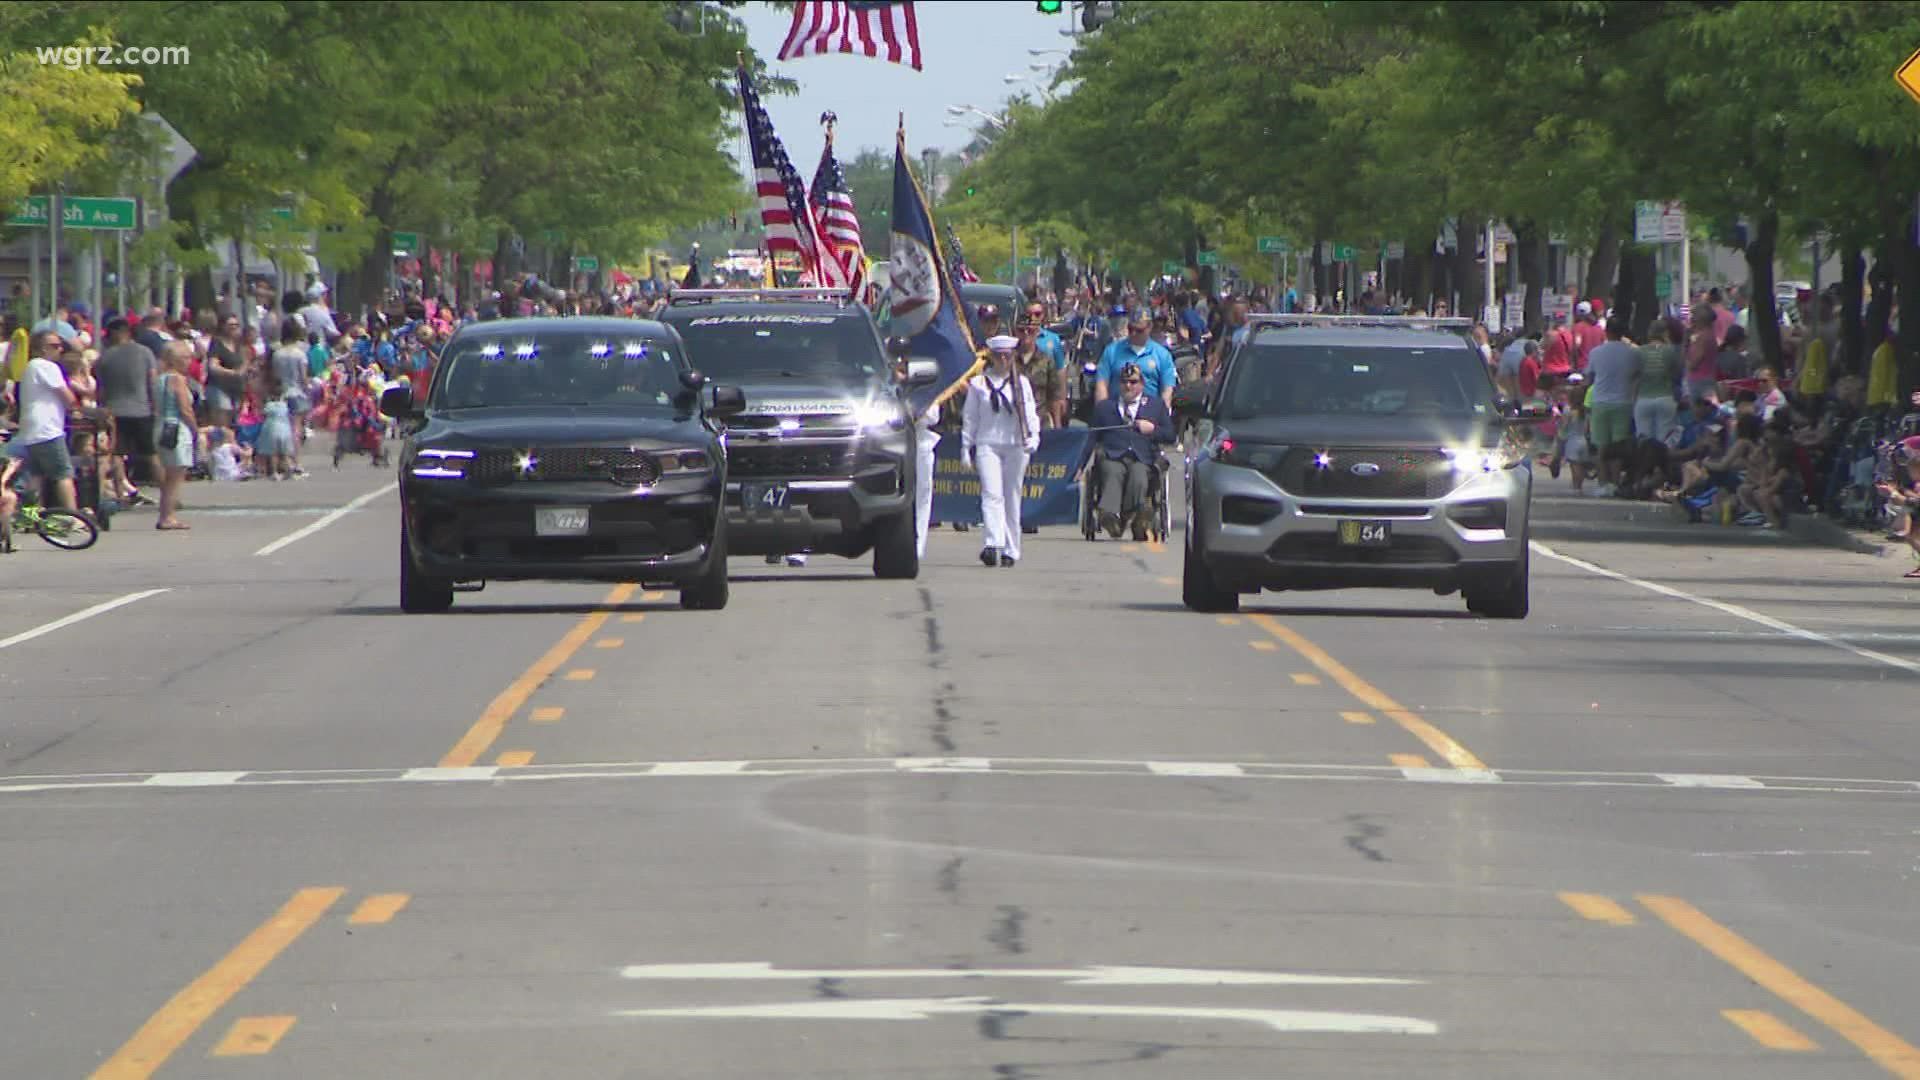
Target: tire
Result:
[[896, 550], [68, 530], [708, 592], [1198, 589], [1508, 599], [421, 594]]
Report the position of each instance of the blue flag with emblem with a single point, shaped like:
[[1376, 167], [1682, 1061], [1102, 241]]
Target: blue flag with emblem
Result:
[[923, 301]]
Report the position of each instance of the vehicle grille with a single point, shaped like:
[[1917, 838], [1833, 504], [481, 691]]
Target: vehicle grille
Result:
[[627, 468], [1404, 474], [1326, 547], [747, 461]]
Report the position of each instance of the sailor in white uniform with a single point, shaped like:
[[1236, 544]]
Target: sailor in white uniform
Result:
[[1000, 430]]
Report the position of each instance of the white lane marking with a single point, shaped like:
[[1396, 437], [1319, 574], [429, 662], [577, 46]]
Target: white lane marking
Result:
[[455, 772], [1281, 1020], [326, 519], [79, 616], [950, 764], [1451, 776], [1735, 610], [193, 779], [698, 768], [1709, 780], [1194, 768], [1096, 975], [1756, 854]]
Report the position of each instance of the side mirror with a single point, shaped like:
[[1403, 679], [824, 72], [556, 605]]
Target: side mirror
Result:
[[692, 380], [397, 402], [899, 347], [923, 372], [1189, 399], [726, 401]]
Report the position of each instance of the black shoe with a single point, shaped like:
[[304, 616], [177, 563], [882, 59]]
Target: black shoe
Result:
[[1007, 561], [1111, 523], [1139, 531], [988, 556], [1029, 530]]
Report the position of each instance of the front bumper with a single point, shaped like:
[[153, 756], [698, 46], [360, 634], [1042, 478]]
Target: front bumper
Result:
[[1254, 535], [468, 532], [830, 512]]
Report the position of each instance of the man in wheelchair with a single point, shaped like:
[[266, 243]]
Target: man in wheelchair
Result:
[[1129, 430]]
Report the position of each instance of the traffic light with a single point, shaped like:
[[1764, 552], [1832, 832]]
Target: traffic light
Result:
[[1095, 14], [970, 190], [1048, 7]]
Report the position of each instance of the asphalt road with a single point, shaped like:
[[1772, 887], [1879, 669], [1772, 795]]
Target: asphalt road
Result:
[[1023, 824]]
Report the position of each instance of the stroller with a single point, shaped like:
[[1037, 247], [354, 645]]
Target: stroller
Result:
[[360, 428]]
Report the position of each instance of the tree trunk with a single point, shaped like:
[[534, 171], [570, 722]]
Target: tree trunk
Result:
[[1531, 253], [1416, 275], [1906, 262], [1634, 293], [1465, 268], [504, 264], [1880, 279], [1853, 283], [1759, 252], [1604, 263], [1319, 275], [367, 286]]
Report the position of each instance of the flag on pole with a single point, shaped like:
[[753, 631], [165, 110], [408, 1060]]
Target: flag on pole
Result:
[[786, 218], [957, 260], [863, 29], [839, 223], [925, 303]]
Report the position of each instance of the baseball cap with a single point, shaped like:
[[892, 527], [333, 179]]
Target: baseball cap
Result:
[[1583, 308], [316, 290]]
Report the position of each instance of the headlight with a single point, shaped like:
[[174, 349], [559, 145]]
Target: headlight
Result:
[[441, 464], [876, 415], [1484, 459], [673, 462]]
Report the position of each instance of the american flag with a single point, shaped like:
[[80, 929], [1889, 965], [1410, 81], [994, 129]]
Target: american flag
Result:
[[957, 261], [829, 26], [786, 218], [839, 224]]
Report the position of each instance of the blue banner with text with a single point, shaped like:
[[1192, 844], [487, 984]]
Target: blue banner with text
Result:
[[1051, 495]]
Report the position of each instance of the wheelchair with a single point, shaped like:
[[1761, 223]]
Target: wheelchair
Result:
[[1158, 508]]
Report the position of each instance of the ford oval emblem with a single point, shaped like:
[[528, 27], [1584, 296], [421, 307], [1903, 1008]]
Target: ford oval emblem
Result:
[[1364, 468]]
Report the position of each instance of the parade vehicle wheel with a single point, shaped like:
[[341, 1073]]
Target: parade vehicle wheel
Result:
[[1508, 598], [896, 551], [1198, 589], [421, 594], [68, 530], [708, 592]]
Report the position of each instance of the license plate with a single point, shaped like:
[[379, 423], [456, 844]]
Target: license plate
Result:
[[763, 497], [560, 521], [1366, 534]]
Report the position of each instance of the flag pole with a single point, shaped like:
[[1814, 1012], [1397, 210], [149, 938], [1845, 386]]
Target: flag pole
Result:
[[947, 287]]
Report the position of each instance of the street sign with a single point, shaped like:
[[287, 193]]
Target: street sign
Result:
[[1449, 236], [78, 212], [1500, 252], [1396, 249], [1662, 284], [1503, 233], [1342, 252], [1659, 222], [586, 264], [1029, 262], [1559, 307], [406, 243], [1172, 267], [1908, 75], [1275, 245], [281, 213], [1557, 239], [1208, 258], [1516, 308]]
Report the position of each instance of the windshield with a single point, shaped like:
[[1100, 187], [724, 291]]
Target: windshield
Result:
[[561, 366], [1367, 380], [730, 347]]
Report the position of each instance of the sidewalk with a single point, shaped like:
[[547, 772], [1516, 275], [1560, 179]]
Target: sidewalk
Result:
[[1633, 519]]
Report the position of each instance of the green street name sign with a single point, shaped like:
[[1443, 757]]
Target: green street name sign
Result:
[[1172, 267], [77, 212], [1029, 262], [1208, 258], [1342, 252], [586, 264], [1275, 245], [406, 243]]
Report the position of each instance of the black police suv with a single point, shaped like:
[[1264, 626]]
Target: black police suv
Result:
[[563, 449], [822, 457]]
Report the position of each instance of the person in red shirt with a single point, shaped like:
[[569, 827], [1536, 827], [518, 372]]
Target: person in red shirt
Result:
[[1556, 352], [1529, 374], [1587, 333]]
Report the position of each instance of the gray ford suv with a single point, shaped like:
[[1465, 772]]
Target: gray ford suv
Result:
[[1356, 452]]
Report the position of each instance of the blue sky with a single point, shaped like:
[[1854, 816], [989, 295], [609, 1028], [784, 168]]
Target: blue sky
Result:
[[967, 50]]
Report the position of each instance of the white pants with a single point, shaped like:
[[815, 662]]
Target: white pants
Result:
[[1003, 470], [923, 486]]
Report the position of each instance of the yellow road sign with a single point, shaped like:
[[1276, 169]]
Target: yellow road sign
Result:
[[1908, 75]]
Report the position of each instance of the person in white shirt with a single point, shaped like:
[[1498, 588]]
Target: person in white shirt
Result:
[[44, 401], [1000, 429]]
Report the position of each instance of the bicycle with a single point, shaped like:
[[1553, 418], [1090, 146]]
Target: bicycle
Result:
[[64, 529]]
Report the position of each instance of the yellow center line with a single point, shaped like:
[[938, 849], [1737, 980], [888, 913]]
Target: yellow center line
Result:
[[1768, 1030], [1409, 761], [1598, 908], [1301, 678], [183, 1014], [652, 596], [638, 616], [514, 758], [502, 708], [548, 714], [580, 674], [609, 643], [1357, 717], [253, 1035], [1371, 696], [1886, 1049], [1129, 549], [1263, 646], [1228, 620], [1168, 581], [1156, 547], [379, 908]]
